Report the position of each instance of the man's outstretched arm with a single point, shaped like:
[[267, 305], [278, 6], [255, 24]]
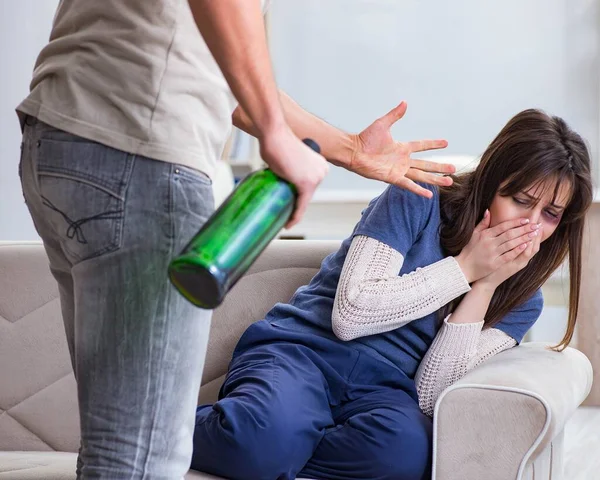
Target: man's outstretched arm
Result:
[[373, 153]]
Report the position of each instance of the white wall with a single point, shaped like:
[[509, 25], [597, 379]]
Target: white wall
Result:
[[464, 66], [24, 29]]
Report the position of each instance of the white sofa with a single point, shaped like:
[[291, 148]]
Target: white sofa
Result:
[[504, 420]]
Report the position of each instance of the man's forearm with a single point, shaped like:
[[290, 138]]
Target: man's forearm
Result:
[[336, 145], [235, 34]]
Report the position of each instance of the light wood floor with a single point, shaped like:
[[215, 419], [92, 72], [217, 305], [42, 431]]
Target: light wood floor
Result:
[[582, 444]]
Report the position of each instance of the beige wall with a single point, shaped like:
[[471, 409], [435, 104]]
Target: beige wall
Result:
[[588, 340]]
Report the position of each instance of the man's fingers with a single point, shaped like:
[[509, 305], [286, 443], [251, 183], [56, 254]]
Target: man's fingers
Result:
[[300, 209], [411, 186], [395, 114], [430, 178], [423, 145], [428, 166]]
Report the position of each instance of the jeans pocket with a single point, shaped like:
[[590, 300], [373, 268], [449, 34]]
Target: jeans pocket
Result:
[[192, 202], [192, 175], [82, 187]]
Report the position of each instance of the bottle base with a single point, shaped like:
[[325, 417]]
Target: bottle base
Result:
[[197, 285]]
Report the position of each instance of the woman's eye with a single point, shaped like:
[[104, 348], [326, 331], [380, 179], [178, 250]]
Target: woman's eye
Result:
[[552, 215], [519, 201]]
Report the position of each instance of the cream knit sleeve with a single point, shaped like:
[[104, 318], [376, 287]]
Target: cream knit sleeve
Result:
[[456, 349], [371, 298]]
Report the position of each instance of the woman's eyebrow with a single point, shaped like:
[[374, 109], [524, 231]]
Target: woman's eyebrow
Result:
[[535, 199]]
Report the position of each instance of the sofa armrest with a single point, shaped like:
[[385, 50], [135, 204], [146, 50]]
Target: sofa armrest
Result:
[[500, 415]]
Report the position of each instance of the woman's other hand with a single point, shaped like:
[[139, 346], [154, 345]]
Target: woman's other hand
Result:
[[490, 249]]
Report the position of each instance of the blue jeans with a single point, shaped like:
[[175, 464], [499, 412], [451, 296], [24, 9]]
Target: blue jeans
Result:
[[111, 222], [297, 404]]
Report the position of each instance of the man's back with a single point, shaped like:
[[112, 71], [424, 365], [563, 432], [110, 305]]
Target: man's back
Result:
[[136, 76]]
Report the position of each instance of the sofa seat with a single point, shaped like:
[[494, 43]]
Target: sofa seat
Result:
[[52, 466]]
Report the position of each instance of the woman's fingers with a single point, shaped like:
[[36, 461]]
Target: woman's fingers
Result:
[[484, 223], [512, 238], [520, 255], [515, 243], [508, 225], [515, 252], [538, 241]]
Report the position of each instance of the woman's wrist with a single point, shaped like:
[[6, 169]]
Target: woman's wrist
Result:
[[484, 286], [473, 307], [463, 266]]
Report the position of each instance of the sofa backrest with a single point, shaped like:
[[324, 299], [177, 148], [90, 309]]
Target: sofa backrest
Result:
[[38, 403], [282, 268]]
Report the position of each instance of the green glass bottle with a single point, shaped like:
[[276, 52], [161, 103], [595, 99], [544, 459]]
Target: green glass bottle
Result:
[[233, 237]]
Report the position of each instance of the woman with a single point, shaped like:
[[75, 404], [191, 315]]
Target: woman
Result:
[[340, 383]]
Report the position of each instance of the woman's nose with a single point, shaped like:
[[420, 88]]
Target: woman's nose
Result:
[[535, 216]]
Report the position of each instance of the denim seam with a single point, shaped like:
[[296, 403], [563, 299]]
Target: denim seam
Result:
[[125, 183], [159, 385], [79, 177], [200, 177], [171, 201]]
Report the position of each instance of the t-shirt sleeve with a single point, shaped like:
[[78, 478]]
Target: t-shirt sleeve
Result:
[[396, 218], [519, 320]]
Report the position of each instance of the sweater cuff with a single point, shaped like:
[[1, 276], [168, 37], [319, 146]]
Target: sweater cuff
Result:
[[448, 279], [457, 338]]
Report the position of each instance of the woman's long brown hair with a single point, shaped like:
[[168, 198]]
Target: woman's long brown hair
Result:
[[532, 148]]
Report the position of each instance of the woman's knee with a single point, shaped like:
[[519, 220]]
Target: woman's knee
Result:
[[398, 446], [246, 446], [408, 453]]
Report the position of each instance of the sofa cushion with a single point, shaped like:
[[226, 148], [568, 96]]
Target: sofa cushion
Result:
[[38, 402], [52, 466], [55, 466], [37, 465]]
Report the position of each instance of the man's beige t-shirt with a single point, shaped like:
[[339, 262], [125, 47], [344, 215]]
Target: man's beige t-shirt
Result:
[[135, 75]]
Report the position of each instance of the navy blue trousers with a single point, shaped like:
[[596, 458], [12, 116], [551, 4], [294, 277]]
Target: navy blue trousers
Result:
[[298, 404]]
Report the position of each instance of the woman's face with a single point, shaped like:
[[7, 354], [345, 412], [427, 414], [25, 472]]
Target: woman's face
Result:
[[534, 204]]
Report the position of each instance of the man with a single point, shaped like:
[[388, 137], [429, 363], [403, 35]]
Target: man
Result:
[[129, 109]]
